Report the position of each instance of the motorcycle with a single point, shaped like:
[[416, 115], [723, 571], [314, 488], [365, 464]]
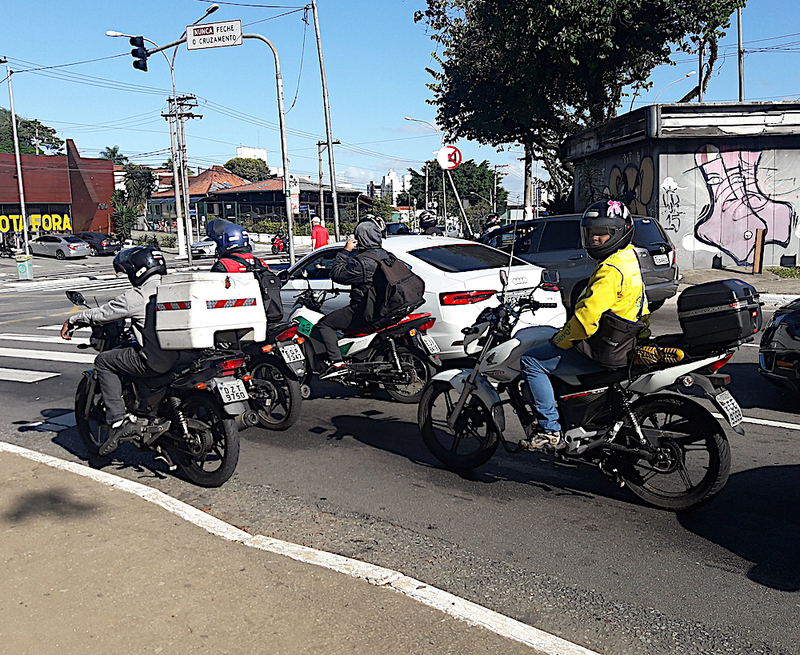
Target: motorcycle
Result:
[[399, 358], [635, 424], [186, 416], [278, 244], [6, 250]]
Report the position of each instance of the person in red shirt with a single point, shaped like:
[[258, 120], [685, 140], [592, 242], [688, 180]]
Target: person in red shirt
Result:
[[319, 235]]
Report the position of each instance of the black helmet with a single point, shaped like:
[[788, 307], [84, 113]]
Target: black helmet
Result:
[[490, 220], [427, 219], [139, 263], [609, 217], [229, 237]]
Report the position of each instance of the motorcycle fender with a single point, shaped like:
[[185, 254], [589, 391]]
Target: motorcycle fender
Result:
[[702, 388], [234, 409], [483, 389]]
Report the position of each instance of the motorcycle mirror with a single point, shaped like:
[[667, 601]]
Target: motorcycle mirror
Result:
[[283, 275], [503, 277], [550, 276], [76, 298]]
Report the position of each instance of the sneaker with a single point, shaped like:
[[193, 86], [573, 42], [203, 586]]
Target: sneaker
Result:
[[125, 427], [335, 370], [540, 440]]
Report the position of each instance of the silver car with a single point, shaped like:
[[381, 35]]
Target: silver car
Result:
[[60, 246]]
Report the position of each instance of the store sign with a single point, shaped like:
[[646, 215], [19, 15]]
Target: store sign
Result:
[[46, 222]]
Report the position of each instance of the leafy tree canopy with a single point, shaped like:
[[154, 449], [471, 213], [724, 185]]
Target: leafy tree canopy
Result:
[[382, 208], [114, 154], [140, 182], [29, 132], [254, 170]]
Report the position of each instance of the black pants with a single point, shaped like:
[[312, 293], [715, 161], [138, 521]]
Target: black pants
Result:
[[341, 319], [110, 365]]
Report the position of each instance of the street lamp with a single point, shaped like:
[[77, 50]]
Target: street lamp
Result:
[[680, 79]]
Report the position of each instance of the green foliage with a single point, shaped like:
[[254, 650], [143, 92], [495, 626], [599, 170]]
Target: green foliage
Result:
[[140, 182], [383, 208], [114, 154], [29, 132], [122, 216], [784, 272], [157, 240], [254, 170]]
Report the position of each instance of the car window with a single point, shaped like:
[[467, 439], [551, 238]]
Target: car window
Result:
[[561, 235], [647, 232], [73, 240], [456, 258], [319, 266], [527, 240], [50, 240]]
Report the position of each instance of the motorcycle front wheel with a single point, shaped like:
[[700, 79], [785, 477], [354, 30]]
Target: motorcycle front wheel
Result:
[[90, 417], [694, 455], [214, 461], [467, 445], [275, 249], [275, 395], [419, 371]]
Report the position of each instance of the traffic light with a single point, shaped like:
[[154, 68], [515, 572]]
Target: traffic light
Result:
[[139, 53]]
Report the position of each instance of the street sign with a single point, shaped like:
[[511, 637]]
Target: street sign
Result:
[[449, 157], [214, 35]]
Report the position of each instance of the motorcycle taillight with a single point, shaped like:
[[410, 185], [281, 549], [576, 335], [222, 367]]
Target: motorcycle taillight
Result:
[[287, 334], [229, 367], [427, 325]]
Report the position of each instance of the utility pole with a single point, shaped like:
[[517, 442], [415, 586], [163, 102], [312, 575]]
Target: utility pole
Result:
[[179, 218], [23, 212], [426, 186], [183, 103], [741, 54], [701, 52], [494, 189], [330, 140], [321, 145]]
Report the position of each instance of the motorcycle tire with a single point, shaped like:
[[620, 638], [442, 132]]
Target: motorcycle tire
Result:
[[92, 429], [207, 420], [273, 382], [412, 392], [435, 406], [692, 438], [275, 249]]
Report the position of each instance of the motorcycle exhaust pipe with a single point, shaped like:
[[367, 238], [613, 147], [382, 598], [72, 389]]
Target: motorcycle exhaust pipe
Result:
[[247, 419]]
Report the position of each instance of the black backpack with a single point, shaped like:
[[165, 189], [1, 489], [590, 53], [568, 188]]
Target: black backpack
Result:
[[270, 286], [395, 292]]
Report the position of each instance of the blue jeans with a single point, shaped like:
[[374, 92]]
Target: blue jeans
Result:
[[541, 361]]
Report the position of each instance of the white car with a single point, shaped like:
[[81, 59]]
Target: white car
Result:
[[205, 248], [461, 279]]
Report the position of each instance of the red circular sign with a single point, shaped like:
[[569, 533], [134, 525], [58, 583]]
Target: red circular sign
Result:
[[449, 157]]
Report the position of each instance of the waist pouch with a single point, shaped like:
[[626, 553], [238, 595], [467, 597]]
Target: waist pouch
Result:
[[614, 339]]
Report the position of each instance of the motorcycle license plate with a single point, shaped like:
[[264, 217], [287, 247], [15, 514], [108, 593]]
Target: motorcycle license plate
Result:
[[430, 344], [291, 353], [727, 403], [661, 260], [231, 391]]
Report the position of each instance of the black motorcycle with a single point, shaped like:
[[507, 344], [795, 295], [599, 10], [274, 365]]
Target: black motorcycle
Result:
[[186, 416]]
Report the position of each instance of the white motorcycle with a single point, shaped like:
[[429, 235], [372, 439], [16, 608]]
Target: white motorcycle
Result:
[[635, 424]]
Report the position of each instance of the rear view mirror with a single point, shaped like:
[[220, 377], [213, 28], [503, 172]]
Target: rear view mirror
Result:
[[76, 298], [504, 277], [550, 276]]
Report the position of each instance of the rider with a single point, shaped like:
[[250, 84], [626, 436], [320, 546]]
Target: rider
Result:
[[489, 223], [144, 266], [231, 239], [428, 222], [358, 271], [615, 285]]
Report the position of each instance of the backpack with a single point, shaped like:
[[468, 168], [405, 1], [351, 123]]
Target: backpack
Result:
[[270, 286], [395, 293]]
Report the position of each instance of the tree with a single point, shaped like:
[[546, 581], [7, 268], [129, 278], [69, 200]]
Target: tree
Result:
[[535, 71], [383, 208], [140, 182], [123, 216], [30, 132], [254, 170], [113, 154]]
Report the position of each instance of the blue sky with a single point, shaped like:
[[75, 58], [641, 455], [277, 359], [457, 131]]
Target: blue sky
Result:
[[375, 59]]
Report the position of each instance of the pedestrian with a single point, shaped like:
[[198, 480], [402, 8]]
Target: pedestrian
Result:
[[319, 235]]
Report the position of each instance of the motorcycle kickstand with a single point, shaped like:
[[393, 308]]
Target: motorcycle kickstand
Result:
[[163, 456]]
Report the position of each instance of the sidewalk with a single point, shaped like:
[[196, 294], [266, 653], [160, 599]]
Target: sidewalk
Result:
[[90, 568], [774, 290]]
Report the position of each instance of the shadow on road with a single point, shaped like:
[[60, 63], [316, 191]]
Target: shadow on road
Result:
[[754, 391], [757, 517]]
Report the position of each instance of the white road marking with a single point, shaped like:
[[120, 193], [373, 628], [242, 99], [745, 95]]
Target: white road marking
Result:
[[448, 603], [47, 355], [42, 338], [19, 375], [763, 421]]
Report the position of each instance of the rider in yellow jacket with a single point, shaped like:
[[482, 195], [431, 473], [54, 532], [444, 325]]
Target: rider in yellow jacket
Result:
[[615, 284]]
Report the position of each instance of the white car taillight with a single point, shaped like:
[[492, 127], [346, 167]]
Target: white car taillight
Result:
[[465, 297]]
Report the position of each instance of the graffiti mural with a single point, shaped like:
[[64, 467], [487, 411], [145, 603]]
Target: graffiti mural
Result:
[[738, 206], [634, 184], [671, 210]]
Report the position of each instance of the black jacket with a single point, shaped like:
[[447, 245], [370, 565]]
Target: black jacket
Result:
[[355, 269]]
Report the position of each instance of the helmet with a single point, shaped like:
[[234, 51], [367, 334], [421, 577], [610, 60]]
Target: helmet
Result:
[[377, 220], [228, 236], [490, 220], [428, 219], [606, 217], [140, 263]]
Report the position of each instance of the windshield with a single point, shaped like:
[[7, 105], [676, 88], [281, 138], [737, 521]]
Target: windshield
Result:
[[73, 240], [648, 233], [457, 258]]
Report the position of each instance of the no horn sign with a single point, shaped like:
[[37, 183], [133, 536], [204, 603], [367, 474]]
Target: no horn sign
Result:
[[449, 157]]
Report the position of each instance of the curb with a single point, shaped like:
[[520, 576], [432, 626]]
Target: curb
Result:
[[456, 607]]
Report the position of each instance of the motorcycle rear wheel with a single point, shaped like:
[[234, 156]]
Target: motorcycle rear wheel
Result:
[[412, 392], [92, 430], [474, 439], [208, 421], [696, 455], [273, 383], [275, 249]]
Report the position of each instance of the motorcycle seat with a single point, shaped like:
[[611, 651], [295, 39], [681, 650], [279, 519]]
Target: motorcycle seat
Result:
[[364, 330]]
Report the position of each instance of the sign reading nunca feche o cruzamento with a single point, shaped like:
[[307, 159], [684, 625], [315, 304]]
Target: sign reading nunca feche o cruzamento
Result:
[[36, 222], [214, 35]]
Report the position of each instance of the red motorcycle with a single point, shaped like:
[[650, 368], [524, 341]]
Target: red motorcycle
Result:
[[278, 244]]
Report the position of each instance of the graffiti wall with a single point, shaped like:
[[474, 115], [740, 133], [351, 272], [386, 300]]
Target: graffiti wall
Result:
[[713, 200]]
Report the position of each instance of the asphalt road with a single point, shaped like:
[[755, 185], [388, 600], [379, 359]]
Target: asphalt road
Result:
[[556, 546]]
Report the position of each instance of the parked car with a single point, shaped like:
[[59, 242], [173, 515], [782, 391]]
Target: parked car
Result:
[[779, 354], [60, 246], [461, 279], [555, 242], [100, 243], [204, 248]]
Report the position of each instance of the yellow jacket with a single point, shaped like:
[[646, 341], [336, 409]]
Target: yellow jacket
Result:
[[616, 284]]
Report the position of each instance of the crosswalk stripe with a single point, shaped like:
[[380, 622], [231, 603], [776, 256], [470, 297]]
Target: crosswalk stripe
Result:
[[47, 355], [21, 375], [77, 285], [41, 338]]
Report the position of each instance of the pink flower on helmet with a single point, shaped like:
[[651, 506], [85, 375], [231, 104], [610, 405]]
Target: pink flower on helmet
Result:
[[615, 208]]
